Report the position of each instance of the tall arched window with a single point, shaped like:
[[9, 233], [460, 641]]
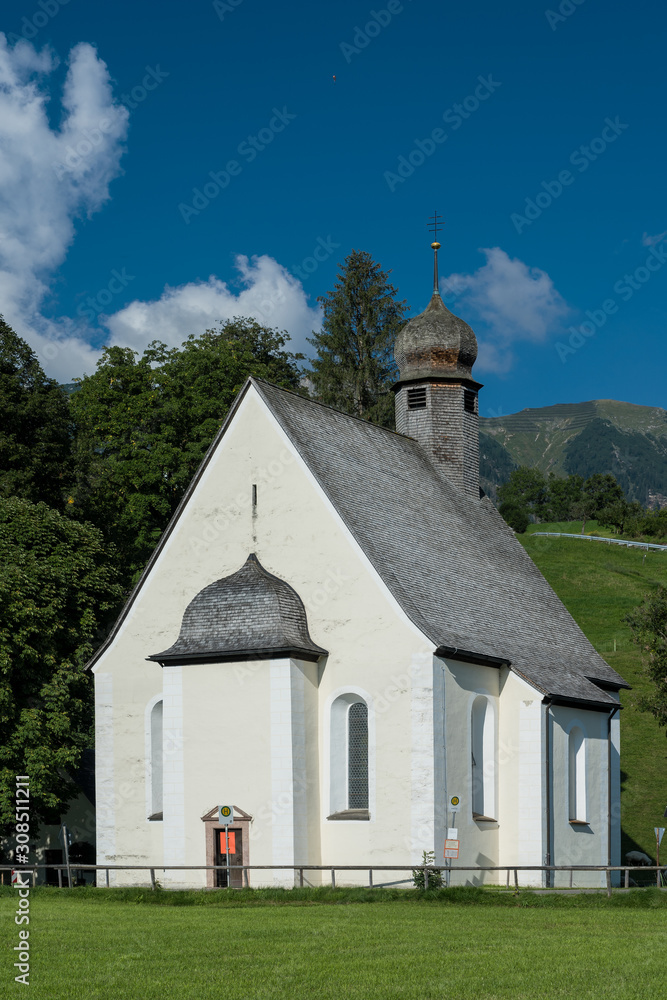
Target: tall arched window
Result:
[[482, 746], [156, 778], [349, 756], [357, 756], [577, 774]]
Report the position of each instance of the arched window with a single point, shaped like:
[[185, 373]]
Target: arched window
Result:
[[349, 755], [482, 747], [577, 774], [156, 761], [357, 756]]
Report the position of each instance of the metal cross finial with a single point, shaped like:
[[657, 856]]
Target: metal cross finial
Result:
[[434, 225]]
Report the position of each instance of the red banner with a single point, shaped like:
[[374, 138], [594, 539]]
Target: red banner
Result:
[[228, 838]]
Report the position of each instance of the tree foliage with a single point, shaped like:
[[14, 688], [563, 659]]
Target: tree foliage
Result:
[[649, 627], [515, 515], [525, 488], [143, 425], [354, 368], [528, 493], [35, 433], [57, 589]]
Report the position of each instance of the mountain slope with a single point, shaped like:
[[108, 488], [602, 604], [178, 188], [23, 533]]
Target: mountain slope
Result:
[[599, 585], [603, 435]]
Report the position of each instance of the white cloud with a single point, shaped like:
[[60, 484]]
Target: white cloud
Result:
[[270, 294], [651, 241], [49, 177], [514, 301]]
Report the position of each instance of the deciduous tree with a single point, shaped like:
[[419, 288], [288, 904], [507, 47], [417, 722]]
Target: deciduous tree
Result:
[[35, 431], [57, 590], [649, 627]]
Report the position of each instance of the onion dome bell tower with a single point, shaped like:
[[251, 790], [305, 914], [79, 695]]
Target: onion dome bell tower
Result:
[[436, 395]]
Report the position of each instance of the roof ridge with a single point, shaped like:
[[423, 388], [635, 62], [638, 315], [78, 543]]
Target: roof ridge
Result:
[[327, 406]]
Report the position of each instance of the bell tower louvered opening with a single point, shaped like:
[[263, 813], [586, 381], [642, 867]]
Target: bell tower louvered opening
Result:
[[436, 394]]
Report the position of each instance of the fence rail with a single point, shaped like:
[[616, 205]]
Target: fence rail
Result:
[[660, 871], [601, 538]]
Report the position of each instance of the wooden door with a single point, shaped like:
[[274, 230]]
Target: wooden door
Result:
[[232, 837]]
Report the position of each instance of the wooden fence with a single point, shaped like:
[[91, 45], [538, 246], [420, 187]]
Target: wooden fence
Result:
[[509, 870]]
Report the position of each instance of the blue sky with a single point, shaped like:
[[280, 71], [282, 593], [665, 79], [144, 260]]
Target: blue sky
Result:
[[167, 166]]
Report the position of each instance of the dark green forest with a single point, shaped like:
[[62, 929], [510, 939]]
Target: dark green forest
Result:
[[637, 461]]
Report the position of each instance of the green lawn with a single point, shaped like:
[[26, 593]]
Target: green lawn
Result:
[[587, 948], [599, 584]]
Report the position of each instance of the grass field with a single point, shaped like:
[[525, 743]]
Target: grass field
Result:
[[599, 584], [406, 946]]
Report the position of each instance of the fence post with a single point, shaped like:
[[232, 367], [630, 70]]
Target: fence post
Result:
[[152, 878], [425, 878], [516, 879], [333, 879], [107, 878], [627, 878], [60, 878], [301, 878], [571, 876], [508, 878], [370, 877], [608, 882], [246, 874], [657, 877]]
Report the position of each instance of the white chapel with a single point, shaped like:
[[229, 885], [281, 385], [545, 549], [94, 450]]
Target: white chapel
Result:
[[339, 635]]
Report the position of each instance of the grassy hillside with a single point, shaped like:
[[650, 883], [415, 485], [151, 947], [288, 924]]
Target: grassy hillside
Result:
[[599, 584], [601, 435]]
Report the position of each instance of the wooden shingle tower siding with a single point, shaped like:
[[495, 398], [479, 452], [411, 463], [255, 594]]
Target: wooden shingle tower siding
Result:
[[436, 395]]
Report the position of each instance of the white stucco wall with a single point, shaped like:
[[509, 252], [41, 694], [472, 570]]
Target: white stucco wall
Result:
[[257, 734], [225, 708], [580, 843]]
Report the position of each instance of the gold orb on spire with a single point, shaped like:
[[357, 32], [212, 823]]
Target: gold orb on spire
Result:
[[435, 246]]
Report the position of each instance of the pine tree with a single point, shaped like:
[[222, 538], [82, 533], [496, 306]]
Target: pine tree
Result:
[[354, 368]]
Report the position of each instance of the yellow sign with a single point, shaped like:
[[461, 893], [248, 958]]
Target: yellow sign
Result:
[[454, 800]]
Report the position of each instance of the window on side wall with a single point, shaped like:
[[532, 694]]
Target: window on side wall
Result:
[[349, 759], [577, 775], [155, 764], [483, 758]]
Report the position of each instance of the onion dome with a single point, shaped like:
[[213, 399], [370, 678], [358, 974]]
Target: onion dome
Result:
[[248, 615], [435, 344]]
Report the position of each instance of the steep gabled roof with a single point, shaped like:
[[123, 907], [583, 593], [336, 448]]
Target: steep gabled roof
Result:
[[450, 560]]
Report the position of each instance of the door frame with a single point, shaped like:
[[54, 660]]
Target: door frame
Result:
[[212, 827]]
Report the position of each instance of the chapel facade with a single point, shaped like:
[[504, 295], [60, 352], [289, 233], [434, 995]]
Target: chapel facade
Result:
[[339, 636]]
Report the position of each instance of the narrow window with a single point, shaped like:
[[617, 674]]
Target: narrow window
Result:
[[350, 757], [417, 398], [469, 400], [357, 756], [156, 761], [482, 746], [577, 775]]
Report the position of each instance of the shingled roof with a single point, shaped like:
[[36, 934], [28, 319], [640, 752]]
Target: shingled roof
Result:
[[250, 613], [450, 560]]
